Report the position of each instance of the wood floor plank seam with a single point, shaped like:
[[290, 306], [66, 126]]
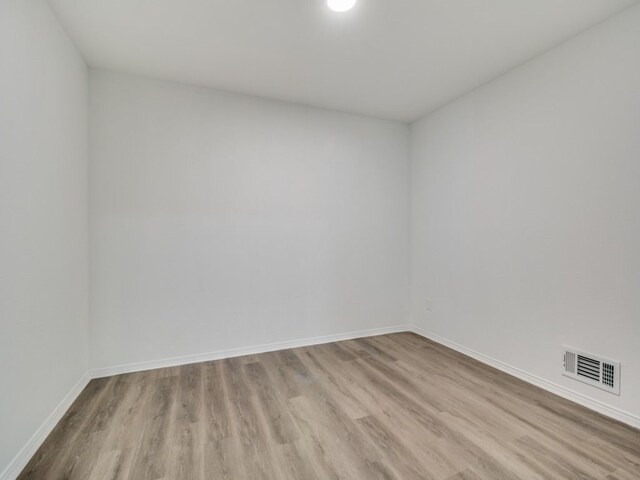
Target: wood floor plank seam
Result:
[[392, 407]]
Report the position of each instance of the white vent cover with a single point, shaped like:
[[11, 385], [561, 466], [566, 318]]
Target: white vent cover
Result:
[[592, 369]]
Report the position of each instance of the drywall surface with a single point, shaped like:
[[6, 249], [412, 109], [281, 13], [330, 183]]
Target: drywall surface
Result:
[[222, 221], [526, 212], [43, 220]]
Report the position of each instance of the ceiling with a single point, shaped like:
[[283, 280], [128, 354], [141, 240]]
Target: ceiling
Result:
[[396, 59]]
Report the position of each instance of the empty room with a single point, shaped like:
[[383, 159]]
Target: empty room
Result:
[[319, 239]]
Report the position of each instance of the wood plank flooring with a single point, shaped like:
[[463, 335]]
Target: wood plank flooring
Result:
[[389, 407]]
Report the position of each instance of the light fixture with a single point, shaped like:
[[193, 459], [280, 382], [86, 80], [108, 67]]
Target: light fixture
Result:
[[341, 5]]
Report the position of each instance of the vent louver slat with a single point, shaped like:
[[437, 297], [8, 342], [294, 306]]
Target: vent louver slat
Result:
[[592, 369], [586, 361], [570, 362], [588, 370]]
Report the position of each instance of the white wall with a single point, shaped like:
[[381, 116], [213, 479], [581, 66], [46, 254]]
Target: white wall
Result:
[[43, 220], [526, 212], [221, 221]]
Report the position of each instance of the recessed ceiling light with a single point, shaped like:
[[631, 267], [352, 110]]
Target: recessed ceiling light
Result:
[[341, 5]]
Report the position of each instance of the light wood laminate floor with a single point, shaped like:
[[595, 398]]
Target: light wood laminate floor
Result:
[[389, 407]]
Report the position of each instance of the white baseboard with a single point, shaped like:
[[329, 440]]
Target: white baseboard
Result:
[[239, 352], [22, 458], [576, 397], [24, 455]]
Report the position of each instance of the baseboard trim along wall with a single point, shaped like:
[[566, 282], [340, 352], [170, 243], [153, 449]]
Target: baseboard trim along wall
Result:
[[239, 352], [30, 448], [24, 455], [576, 397]]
